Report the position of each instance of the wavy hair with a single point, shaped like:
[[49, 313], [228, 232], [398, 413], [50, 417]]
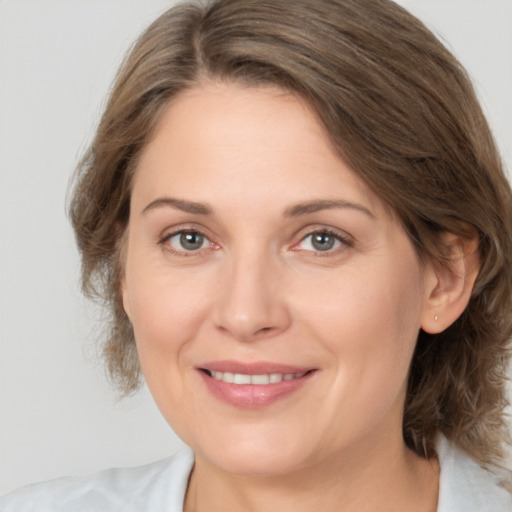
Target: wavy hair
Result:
[[402, 113]]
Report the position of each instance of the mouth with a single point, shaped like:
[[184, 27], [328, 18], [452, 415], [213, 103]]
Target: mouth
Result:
[[257, 379], [253, 385]]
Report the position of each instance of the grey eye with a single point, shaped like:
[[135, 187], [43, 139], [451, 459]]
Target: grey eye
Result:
[[188, 241], [191, 241], [320, 241]]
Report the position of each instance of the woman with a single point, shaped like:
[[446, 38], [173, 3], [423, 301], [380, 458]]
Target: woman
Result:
[[298, 217]]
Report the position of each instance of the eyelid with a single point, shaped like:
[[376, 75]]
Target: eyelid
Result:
[[345, 238], [170, 232]]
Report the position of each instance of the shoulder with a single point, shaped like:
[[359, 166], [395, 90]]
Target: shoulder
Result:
[[157, 487], [465, 486]]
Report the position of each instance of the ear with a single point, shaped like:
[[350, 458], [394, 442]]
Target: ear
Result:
[[449, 285]]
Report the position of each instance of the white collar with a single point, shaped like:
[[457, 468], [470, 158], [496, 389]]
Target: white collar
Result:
[[464, 486]]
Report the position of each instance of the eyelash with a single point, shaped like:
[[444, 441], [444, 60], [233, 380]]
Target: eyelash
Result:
[[344, 242], [165, 242]]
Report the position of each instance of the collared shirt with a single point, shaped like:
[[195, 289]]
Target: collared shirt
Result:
[[160, 487], [465, 486]]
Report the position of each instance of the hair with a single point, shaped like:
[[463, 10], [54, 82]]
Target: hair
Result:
[[401, 112]]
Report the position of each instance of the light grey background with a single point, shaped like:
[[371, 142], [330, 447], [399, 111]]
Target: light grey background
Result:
[[57, 59]]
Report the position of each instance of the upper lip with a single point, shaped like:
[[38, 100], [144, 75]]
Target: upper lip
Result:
[[254, 368]]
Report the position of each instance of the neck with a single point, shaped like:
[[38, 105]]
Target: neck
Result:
[[385, 478]]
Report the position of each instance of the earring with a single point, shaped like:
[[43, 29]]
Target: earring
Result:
[[436, 318]]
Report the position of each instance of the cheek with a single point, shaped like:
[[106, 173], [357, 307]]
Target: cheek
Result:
[[166, 308], [369, 322], [372, 305], [166, 313]]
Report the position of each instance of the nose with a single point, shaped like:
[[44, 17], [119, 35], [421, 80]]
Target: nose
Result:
[[252, 300]]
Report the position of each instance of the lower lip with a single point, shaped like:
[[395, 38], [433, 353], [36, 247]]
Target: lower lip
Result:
[[253, 396]]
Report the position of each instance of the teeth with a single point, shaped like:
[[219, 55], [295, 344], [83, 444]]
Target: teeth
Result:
[[275, 377], [261, 379], [227, 377], [240, 378]]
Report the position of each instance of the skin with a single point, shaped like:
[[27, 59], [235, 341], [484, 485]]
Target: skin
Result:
[[257, 290]]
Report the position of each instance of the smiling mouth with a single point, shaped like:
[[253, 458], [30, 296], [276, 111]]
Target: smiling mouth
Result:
[[254, 379], [253, 386]]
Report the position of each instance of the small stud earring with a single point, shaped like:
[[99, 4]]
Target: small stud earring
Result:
[[436, 318]]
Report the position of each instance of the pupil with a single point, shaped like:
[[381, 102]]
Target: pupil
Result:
[[323, 241], [191, 241]]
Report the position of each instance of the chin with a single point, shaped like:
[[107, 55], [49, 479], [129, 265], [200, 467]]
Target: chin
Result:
[[252, 452], [255, 463]]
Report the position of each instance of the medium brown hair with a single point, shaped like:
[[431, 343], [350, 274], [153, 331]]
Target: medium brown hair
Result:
[[402, 113]]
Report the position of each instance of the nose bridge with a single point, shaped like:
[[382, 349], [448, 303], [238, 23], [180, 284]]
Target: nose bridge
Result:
[[251, 303]]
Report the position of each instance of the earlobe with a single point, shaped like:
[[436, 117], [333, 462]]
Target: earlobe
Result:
[[450, 283]]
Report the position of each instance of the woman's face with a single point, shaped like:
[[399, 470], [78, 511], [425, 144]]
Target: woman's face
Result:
[[275, 301]]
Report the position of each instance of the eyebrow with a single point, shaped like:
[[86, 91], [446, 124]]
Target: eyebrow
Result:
[[324, 204], [297, 210], [179, 204]]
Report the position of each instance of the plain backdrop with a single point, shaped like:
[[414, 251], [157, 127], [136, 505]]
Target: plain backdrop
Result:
[[57, 59]]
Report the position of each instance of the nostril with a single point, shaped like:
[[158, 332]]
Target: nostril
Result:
[[264, 331]]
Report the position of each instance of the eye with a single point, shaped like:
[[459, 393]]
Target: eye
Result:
[[321, 241], [187, 241]]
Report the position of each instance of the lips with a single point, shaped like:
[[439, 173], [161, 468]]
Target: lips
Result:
[[252, 385]]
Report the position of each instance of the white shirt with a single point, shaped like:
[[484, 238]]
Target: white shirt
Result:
[[160, 487]]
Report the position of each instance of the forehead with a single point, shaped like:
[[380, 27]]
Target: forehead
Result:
[[248, 139], [230, 114]]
